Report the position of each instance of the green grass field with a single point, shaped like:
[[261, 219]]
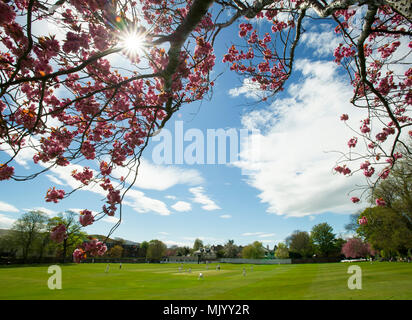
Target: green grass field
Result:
[[380, 280]]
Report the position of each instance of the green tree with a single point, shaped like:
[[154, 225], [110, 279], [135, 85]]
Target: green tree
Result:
[[9, 244], [282, 251], [396, 189], [197, 244], [230, 250], [143, 249], [183, 251], [253, 251], [116, 251], [156, 250], [28, 229], [323, 239], [299, 242], [75, 235], [387, 230]]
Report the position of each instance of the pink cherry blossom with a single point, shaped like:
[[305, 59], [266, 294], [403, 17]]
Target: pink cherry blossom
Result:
[[86, 218], [58, 233], [380, 202], [54, 195], [6, 172], [352, 142], [79, 255], [355, 199]]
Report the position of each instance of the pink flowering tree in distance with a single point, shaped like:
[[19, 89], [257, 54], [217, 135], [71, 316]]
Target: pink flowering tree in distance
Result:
[[356, 248], [64, 99]]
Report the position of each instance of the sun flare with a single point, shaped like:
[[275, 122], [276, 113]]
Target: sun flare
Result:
[[133, 43]]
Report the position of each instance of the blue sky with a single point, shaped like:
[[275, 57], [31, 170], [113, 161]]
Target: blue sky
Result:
[[292, 186]]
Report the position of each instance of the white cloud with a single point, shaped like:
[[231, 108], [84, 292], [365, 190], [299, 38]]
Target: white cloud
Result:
[[258, 234], [6, 222], [266, 235], [182, 206], [205, 239], [294, 170], [49, 212], [110, 219], [55, 180], [163, 233], [323, 42], [200, 197], [78, 210], [225, 216], [170, 243], [134, 198], [25, 154], [158, 177], [249, 88], [269, 241], [143, 204], [6, 207], [170, 197]]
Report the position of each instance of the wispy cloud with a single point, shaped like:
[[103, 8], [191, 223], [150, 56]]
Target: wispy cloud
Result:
[[323, 42], [202, 198], [110, 219], [6, 207], [6, 222], [143, 204], [47, 211], [160, 177], [249, 89], [55, 180], [182, 206], [258, 234]]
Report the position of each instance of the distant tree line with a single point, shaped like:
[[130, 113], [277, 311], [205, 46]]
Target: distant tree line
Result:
[[387, 234]]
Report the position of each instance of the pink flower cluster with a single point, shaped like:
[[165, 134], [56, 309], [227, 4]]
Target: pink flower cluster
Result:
[[344, 170], [79, 255], [369, 172], [58, 233], [6, 172], [363, 221], [385, 173], [380, 202], [244, 29], [364, 128], [84, 176], [355, 199], [7, 14], [54, 146], [344, 117], [75, 41], [95, 247], [54, 195], [387, 50], [88, 150], [86, 218], [113, 198], [352, 142], [105, 169], [343, 52]]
